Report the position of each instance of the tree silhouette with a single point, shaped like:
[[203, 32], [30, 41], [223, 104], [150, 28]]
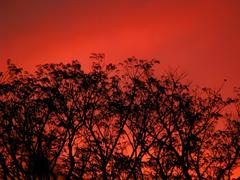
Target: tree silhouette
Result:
[[113, 122]]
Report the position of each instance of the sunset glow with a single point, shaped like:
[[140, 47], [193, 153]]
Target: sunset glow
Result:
[[198, 37]]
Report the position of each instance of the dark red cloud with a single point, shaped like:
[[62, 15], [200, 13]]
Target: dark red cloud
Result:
[[199, 37]]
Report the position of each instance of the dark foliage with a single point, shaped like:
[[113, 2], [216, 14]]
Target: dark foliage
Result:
[[114, 122]]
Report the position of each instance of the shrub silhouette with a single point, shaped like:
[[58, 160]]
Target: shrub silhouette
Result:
[[114, 122]]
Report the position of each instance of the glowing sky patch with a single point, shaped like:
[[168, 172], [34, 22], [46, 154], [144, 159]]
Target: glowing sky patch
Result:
[[199, 37]]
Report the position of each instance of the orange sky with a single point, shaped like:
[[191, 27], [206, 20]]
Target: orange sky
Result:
[[199, 37]]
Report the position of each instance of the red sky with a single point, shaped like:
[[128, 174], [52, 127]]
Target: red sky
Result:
[[199, 37]]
